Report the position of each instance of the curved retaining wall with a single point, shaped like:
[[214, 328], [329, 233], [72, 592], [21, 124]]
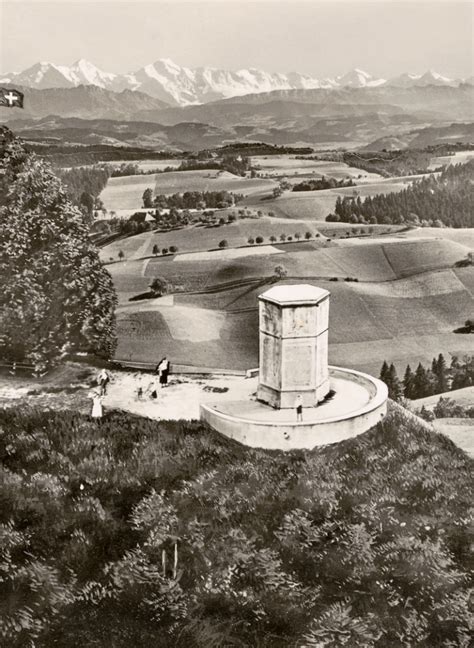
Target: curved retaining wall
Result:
[[307, 435]]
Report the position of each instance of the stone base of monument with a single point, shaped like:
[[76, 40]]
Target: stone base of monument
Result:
[[358, 403], [286, 399]]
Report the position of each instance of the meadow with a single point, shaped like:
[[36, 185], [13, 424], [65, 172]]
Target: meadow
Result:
[[126, 192], [148, 165], [289, 165], [205, 238], [316, 205], [407, 302], [459, 157]]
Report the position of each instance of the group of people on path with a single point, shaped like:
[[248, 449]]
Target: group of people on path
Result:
[[162, 370]]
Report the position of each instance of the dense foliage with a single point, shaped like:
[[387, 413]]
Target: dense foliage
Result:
[[237, 164], [68, 155], [446, 408], [322, 183], [197, 200], [262, 148], [56, 295], [140, 533], [437, 379], [84, 185], [446, 199]]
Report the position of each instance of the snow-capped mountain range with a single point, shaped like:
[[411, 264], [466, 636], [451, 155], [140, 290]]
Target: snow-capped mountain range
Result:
[[184, 86]]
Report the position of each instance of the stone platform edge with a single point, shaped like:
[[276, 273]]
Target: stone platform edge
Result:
[[306, 434]]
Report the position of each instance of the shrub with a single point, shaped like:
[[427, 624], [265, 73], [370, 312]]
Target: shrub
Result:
[[164, 251], [93, 515], [308, 235], [173, 249], [259, 239], [250, 240], [223, 244], [159, 286], [280, 271]]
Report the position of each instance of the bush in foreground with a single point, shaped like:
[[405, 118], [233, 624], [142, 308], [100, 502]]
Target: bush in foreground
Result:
[[365, 543]]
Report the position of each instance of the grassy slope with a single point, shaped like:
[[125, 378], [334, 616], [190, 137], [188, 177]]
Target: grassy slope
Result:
[[370, 535], [407, 320]]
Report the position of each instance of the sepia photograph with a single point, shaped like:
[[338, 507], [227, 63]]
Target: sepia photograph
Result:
[[236, 323]]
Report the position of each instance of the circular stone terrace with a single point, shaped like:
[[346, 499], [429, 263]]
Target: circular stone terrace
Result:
[[359, 401]]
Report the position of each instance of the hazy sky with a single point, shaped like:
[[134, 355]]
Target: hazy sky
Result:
[[318, 38]]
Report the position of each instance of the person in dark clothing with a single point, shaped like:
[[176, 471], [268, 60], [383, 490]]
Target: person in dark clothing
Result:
[[163, 369]]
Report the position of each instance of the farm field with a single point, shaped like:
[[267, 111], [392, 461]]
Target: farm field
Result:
[[409, 257], [463, 236], [463, 397], [205, 238], [231, 340], [147, 165], [460, 431], [288, 165], [209, 180], [460, 157], [126, 192], [407, 317]]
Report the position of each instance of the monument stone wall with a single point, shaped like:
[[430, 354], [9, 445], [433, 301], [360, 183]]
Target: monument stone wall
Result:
[[293, 345]]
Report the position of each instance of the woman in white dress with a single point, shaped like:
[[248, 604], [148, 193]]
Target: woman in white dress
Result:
[[96, 405]]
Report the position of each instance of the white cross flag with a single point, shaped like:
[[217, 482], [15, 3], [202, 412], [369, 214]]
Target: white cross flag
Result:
[[11, 98]]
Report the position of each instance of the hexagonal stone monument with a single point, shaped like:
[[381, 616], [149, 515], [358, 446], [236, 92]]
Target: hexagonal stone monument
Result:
[[293, 345]]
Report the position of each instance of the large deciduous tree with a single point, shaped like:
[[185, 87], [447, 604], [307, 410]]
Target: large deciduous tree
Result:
[[56, 296]]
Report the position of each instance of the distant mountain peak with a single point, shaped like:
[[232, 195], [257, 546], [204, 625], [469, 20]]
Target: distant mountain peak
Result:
[[357, 78], [166, 80]]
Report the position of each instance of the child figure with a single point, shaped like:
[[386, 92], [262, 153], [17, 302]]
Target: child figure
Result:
[[299, 408]]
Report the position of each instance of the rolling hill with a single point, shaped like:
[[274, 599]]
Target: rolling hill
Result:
[[407, 302]]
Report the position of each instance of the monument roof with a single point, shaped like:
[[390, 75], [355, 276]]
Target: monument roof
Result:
[[296, 294]]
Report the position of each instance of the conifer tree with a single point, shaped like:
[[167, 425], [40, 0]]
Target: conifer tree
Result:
[[421, 385], [441, 375], [56, 296], [384, 372], [393, 384], [408, 383]]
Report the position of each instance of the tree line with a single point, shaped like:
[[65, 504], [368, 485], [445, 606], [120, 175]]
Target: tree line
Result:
[[191, 200], [85, 184], [427, 381], [444, 200], [322, 183]]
